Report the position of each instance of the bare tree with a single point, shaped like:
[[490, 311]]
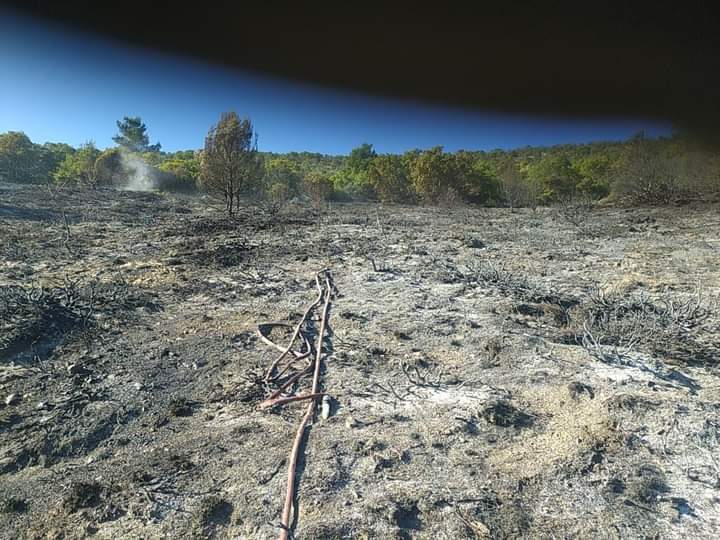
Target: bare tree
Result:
[[517, 190], [230, 164], [318, 187], [648, 173], [700, 172]]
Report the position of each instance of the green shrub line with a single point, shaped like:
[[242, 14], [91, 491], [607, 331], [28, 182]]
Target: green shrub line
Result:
[[639, 171]]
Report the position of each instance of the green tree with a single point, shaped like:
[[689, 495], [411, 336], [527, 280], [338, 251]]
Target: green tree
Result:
[[433, 174], [352, 179], [360, 158], [594, 172], [282, 177], [52, 154], [133, 136], [557, 177], [21, 161], [476, 179], [389, 177], [230, 166], [78, 167], [154, 159], [180, 173]]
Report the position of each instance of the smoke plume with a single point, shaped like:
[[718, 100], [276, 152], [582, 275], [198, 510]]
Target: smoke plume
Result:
[[139, 175]]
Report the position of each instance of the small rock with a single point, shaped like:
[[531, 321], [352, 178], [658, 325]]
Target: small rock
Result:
[[41, 405], [138, 386], [351, 423], [12, 399], [325, 407]]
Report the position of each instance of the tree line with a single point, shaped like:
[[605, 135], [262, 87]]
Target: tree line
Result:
[[641, 170]]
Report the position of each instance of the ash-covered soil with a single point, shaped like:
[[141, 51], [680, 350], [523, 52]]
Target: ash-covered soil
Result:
[[493, 374]]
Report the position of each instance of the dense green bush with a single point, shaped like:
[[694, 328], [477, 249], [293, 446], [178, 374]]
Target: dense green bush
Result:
[[24, 162], [179, 174], [78, 167], [389, 178]]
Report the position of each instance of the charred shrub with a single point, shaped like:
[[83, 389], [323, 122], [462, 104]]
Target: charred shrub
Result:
[[181, 407], [13, 505], [214, 512], [82, 495], [648, 485], [35, 317], [503, 414], [664, 325]]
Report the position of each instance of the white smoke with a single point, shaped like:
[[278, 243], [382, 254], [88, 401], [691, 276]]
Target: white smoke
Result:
[[139, 175]]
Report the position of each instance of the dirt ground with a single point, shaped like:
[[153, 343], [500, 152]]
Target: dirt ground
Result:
[[492, 374]]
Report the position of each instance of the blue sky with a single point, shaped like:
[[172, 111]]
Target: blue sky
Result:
[[65, 87]]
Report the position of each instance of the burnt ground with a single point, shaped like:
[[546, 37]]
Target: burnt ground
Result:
[[493, 374]]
